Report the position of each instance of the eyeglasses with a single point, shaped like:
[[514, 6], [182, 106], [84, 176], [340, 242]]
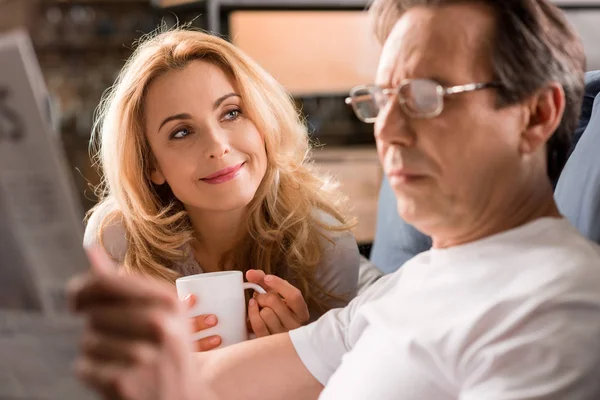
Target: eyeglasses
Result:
[[419, 98]]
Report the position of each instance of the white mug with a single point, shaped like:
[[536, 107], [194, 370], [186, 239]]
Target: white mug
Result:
[[220, 294]]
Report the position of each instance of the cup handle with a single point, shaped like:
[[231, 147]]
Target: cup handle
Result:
[[254, 286]]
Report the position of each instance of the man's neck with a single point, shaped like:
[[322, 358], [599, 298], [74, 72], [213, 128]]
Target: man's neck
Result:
[[526, 205], [215, 233]]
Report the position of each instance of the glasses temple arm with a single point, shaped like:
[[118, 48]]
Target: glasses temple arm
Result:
[[469, 87]]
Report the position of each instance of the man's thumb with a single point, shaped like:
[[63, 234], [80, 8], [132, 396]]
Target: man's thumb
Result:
[[101, 263]]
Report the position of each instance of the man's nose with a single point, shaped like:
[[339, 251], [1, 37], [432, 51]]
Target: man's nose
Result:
[[392, 125]]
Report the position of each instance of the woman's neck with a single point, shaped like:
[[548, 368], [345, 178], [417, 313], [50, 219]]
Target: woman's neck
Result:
[[215, 233]]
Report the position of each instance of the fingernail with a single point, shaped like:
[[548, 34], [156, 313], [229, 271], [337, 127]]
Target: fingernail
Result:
[[252, 302], [210, 320], [215, 340], [268, 278], [187, 298]]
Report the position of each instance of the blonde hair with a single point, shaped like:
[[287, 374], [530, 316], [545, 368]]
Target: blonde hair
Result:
[[284, 232]]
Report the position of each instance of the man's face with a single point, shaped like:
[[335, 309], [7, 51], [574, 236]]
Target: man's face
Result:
[[446, 171]]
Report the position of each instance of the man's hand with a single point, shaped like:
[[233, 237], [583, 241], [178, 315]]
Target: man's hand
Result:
[[281, 309], [137, 342]]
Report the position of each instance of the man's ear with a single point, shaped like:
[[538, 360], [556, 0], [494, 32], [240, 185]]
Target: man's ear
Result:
[[157, 176], [545, 109]]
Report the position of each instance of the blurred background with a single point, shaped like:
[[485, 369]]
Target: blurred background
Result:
[[317, 49]]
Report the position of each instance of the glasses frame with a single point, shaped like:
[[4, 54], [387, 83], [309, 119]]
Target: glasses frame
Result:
[[441, 91]]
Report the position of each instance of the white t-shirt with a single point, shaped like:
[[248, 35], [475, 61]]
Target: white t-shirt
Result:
[[513, 316]]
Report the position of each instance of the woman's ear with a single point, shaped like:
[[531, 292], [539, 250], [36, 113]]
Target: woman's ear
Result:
[[157, 176], [546, 109]]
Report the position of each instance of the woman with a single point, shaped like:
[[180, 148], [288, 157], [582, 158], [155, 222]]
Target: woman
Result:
[[205, 169]]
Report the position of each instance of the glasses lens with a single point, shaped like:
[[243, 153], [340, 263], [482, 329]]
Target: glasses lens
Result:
[[366, 102], [421, 96]]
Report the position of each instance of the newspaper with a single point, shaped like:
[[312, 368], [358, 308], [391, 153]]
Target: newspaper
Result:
[[40, 237]]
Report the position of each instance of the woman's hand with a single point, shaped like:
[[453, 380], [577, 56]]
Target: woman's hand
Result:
[[281, 309], [201, 323]]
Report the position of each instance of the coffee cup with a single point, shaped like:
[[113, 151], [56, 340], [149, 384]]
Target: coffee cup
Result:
[[220, 294]]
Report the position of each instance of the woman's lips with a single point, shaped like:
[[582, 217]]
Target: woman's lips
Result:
[[224, 175]]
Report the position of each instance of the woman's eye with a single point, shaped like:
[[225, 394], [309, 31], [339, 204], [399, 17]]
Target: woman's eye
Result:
[[232, 115], [180, 134]]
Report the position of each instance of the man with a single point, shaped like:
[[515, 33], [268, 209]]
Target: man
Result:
[[396, 241], [472, 124]]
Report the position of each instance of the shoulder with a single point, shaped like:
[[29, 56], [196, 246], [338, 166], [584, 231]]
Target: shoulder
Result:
[[569, 257], [336, 243], [561, 339], [105, 228], [552, 312], [333, 235], [338, 269], [553, 253]]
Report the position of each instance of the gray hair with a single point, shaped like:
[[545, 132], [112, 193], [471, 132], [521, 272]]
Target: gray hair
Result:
[[533, 45]]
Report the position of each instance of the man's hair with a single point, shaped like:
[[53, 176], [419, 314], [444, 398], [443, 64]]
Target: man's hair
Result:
[[533, 45]]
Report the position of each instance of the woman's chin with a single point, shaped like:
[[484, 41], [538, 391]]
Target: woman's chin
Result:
[[223, 203]]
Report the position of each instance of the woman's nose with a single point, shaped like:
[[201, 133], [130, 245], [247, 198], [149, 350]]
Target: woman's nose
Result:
[[217, 145]]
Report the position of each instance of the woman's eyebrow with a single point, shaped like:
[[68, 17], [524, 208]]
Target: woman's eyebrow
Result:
[[223, 98], [174, 117]]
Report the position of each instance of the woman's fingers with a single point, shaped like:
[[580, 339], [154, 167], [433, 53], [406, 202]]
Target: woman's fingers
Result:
[[284, 314], [256, 276], [203, 322], [258, 325], [207, 343], [271, 320], [200, 323], [291, 294]]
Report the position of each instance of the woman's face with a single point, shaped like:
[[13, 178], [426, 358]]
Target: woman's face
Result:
[[206, 149]]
